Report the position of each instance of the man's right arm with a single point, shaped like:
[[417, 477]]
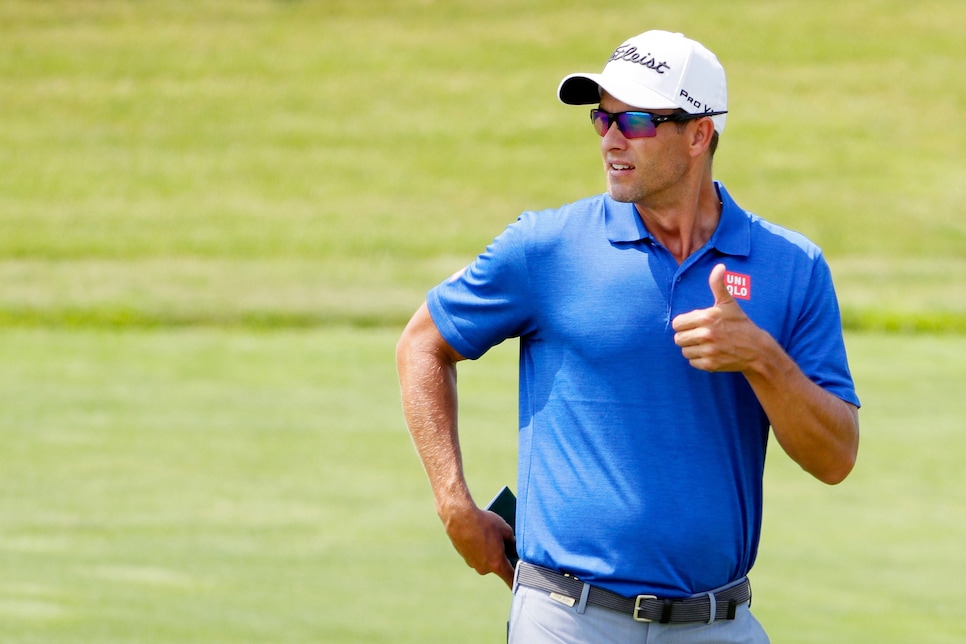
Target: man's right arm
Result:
[[427, 379]]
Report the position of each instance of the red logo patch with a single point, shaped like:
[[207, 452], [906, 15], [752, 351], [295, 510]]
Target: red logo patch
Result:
[[738, 285]]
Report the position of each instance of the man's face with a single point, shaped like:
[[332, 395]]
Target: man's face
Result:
[[641, 170]]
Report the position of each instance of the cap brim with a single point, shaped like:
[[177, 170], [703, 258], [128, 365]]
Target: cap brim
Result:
[[579, 89], [585, 89]]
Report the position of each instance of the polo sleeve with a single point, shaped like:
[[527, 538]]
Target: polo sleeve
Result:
[[817, 344], [489, 300]]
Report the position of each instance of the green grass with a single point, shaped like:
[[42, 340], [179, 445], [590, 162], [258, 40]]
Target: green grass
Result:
[[201, 486], [894, 529], [216, 216], [277, 163], [231, 486]]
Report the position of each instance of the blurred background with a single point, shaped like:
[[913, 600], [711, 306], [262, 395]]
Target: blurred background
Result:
[[216, 217]]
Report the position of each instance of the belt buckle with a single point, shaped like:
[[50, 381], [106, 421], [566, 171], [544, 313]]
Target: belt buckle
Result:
[[637, 608]]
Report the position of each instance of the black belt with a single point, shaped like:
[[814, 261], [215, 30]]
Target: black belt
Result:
[[706, 607]]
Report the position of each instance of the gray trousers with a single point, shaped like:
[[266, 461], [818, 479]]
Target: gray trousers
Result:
[[536, 618]]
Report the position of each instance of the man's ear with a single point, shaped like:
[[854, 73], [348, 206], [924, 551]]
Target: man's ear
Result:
[[701, 136]]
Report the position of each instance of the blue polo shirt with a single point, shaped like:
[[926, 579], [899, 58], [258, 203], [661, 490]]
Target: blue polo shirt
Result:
[[638, 472]]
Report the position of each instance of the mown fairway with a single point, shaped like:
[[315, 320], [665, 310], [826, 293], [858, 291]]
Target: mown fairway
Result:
[[235, 486], [216, 216]]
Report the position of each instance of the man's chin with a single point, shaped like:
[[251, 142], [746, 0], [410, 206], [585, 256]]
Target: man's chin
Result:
[[621, 196]]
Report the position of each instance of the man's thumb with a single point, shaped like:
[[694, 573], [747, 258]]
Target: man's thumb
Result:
[[718, 287]]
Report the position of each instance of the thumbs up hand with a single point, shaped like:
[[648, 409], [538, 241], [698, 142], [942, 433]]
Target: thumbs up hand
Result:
[[718, 338], [722, 296]]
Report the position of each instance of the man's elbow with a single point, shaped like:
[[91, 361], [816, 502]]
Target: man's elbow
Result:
[[838, 469], [836, 472]]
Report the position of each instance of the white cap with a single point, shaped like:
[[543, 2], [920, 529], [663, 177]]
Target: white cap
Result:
[[656, 70]]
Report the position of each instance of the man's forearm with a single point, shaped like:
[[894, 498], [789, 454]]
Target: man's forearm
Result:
[[427, 378], [818, 430]]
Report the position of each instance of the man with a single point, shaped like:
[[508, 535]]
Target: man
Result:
[[662, 330]]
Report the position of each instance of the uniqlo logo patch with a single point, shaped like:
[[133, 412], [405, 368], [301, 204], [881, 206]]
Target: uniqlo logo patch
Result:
[[738, 285]]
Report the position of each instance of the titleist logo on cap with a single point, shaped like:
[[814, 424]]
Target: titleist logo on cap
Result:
[[629, 53]]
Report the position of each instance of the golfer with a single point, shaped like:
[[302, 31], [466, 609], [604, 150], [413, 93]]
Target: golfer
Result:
[[663, 329]]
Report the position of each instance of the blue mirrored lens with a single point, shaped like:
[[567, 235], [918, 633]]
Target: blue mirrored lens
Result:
[[632, 125]]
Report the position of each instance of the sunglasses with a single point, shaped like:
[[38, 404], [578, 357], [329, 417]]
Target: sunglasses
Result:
[[635, 125]]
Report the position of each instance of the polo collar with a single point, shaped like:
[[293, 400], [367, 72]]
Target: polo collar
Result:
[[731, 237]]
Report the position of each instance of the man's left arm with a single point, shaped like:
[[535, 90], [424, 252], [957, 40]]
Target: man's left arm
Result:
[[818, 430]]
